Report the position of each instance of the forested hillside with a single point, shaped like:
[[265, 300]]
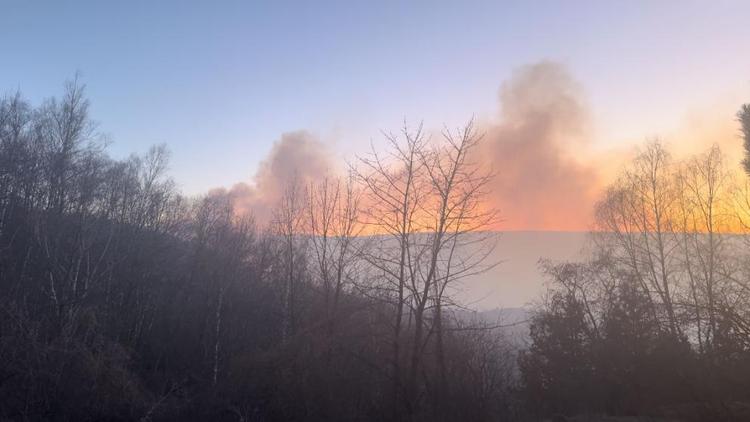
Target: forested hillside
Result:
[[122, 299]]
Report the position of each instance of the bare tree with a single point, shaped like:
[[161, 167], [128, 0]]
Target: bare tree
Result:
[[223, 250], [636, 220], [456, 214], [333, 226], [65, 127], [427, 201], [705, 211], [287, 223], [394, 185]]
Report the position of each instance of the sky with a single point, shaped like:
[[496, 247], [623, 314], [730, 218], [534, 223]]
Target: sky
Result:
[[221, 82]]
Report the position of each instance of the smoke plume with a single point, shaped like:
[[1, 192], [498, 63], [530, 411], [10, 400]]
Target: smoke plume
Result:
[[535, 148], [297, 157], [540, 182]]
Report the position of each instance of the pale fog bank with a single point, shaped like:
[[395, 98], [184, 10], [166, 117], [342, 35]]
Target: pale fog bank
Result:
[[516, 280]]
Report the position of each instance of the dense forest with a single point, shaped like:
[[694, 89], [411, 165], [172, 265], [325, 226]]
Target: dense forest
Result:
[[122, 299]]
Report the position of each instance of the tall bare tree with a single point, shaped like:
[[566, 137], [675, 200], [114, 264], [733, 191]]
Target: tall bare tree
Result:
[[705, 211], [636, 220], [333, 227], [427, 202], [287, 223], [394, 185], [456, 215]]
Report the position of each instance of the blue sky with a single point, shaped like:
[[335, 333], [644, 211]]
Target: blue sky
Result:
[[220, 81]]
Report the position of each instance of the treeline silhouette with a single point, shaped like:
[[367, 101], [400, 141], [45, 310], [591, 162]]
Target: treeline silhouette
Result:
[[656, 322], [121, 299]]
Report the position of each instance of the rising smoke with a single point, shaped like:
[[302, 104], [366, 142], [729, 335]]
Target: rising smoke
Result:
[[297, 157], [541, 182]]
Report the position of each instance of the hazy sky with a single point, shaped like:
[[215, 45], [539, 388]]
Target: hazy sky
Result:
[[219, 82]]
